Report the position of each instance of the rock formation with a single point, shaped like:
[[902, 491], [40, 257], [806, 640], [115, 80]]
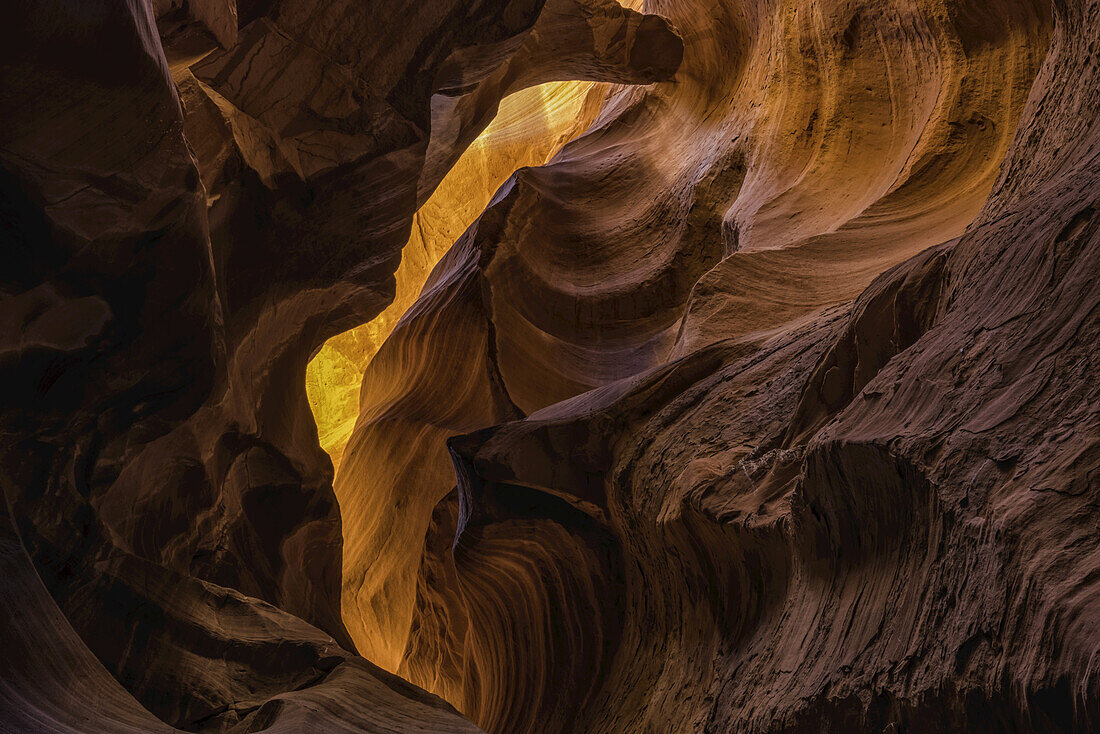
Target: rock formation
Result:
[[529, 128], [766, 404]]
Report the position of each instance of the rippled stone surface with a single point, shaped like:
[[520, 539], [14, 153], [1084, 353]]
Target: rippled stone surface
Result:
[[766, 404]]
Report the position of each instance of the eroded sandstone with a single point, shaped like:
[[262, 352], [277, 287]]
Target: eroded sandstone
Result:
[[766, 404]]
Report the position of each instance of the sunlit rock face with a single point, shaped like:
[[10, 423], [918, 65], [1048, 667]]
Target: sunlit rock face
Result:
[[692, 493], [741, 379], [192, 205], [529, 128]]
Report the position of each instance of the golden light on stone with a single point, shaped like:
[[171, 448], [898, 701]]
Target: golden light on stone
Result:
[[530, 127], [764, 404]]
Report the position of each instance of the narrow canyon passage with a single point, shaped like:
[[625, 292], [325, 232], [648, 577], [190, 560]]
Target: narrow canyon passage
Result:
[[529, 128], [538, 366]]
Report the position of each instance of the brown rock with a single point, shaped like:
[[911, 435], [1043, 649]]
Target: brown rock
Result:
[[767, 405]]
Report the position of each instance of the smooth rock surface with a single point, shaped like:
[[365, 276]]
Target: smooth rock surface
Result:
[[767, 404], [195, 196]]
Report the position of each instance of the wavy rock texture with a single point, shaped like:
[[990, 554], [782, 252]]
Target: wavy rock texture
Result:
[[192, 204], [724, 496], [767, 404], [529, 128]]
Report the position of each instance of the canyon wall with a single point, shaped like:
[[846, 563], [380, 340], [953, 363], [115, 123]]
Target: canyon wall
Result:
[[188, 214], [767, 404], [530, 126]]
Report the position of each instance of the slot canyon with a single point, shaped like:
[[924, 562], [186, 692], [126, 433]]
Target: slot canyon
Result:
[[549, 366]]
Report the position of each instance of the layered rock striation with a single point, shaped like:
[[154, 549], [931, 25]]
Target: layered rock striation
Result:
[[196, 195], [766, 404], [667, 308]]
